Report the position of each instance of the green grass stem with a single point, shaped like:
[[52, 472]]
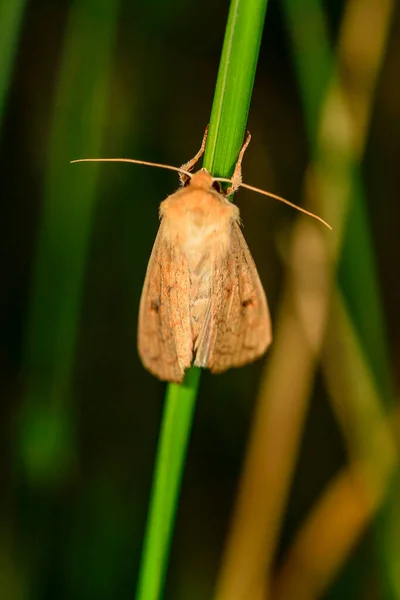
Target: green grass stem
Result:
[[227, 127], [234, 85], [176, 424]]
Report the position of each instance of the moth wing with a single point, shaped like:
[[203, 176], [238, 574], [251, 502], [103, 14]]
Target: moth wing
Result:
[[164, 330], [237, 329]]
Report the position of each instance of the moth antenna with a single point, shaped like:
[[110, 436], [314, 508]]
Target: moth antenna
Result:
[[222, 179], [264, 193], [303, 210], [136, 162]]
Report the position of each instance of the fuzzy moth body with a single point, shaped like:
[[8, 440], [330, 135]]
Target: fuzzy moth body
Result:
[[202, 299]]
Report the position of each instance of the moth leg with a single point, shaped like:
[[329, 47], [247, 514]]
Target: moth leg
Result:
[[237, 173], [188, 166]]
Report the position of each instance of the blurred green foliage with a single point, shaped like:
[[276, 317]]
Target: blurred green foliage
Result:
[[80, 416]]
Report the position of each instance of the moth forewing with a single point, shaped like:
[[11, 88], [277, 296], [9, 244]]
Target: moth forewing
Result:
[[238, 329], [164, 333]]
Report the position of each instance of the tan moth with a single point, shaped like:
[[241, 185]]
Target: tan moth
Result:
[[202, 301]]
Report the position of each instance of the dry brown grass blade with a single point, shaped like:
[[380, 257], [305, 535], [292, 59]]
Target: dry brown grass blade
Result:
[[299, 333], [323, 544], [362, 43], [353, 497], [368, 430]]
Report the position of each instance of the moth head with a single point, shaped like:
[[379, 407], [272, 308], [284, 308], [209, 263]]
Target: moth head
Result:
[[202, 179]]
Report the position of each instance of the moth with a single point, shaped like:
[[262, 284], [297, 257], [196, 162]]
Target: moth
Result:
[[202, 301]]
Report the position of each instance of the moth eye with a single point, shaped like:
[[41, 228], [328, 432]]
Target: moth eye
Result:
[[187, 181], [217, 187]]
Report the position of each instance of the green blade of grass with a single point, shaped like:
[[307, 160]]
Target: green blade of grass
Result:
[[227, 127], [234, 85], [77, 128], [175, 429], [11, 12]]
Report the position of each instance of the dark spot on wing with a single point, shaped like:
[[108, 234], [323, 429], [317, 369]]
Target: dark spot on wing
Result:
[[155, 305], [247, 302]]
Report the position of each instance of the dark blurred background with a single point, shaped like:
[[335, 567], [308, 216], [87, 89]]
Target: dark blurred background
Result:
[[79, 415]]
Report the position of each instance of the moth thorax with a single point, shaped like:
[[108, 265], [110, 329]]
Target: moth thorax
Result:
[[199, 223]]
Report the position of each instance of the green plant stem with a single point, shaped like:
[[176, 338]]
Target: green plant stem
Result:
[[171, 452], [234, 85], [227, 127]]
